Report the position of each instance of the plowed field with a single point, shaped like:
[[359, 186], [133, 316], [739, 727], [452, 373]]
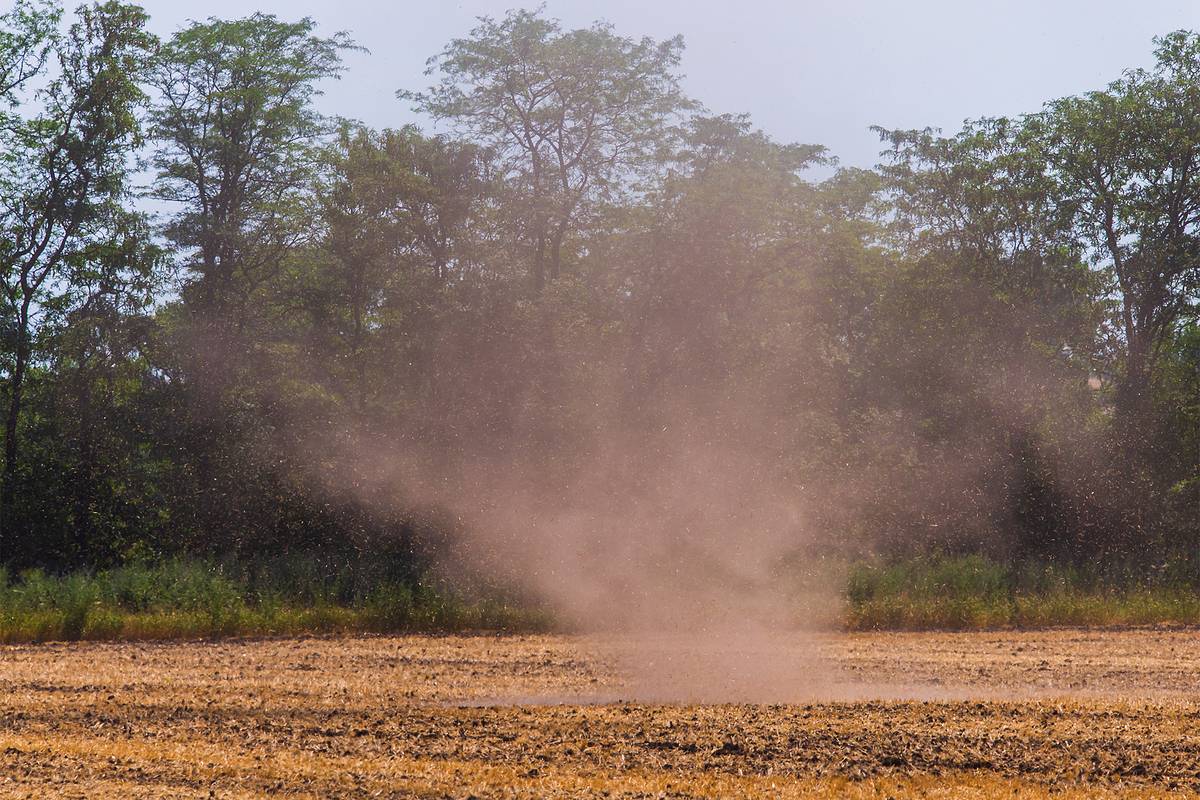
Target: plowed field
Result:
[[1068, 713]]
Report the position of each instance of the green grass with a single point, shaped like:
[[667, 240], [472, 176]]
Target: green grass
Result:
[[300, 595], [190, 599], [971, 592]]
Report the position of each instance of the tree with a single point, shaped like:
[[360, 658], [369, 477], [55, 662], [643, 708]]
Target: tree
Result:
[[95, 369], [399, 214], [570, 115], [998, 312], [28, 33], [237, 150], [1125, 162], [236, 131], [729, 227], [985, 200], [64, 185]]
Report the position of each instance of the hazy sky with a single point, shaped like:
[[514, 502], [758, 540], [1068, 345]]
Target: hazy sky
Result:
[[817, 71]]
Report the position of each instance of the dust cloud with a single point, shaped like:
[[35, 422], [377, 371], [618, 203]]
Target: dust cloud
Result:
[[684, 549], [695, 537], [679, 551]]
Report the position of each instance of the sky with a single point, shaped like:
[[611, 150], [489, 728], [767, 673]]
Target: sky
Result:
[[812, 71]]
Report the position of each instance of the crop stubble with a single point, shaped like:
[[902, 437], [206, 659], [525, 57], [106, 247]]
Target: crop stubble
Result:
[[1073, 713]]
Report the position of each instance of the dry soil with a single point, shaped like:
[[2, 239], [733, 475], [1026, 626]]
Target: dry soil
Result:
[[1068, 713]]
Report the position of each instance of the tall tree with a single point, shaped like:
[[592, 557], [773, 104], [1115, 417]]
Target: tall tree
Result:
[[238, 143], [1126, 162], [400, 213], [236, 133], [730, 227], [64, 183], [95, 344], [570, 114], [984, 200]]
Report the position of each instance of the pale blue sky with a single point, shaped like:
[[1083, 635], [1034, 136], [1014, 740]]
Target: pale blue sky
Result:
[[810, 70]]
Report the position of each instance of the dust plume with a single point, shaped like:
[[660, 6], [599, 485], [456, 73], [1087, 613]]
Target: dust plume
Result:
[[679, 441], [678, 546], [700, 526]]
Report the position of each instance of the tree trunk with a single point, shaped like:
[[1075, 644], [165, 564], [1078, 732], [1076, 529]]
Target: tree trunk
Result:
[[1134, 425], [539, 265], [11, 449], [1133, 391], [359, 347], [539, 229], [85, 475], [556, 244]]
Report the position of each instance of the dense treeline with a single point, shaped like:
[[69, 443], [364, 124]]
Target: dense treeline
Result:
[[989, 341]]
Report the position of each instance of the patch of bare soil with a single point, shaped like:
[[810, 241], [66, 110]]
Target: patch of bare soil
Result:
[[1074, 713]]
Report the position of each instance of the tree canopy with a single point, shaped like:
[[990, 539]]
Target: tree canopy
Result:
[[579, 291]]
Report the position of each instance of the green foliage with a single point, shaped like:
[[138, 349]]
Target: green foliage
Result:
[[570, 115], [949, 578], [67, 239], [971, 592], [987, 344], [235, 129], [28, 33], [190, 599]]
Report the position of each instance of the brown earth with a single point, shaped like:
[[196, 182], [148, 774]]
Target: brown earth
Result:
[[1069, 713]]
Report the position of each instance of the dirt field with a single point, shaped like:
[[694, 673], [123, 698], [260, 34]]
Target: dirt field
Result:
[[890, 715]]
